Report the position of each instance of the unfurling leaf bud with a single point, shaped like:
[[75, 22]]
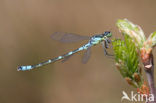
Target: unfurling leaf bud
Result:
[[133, 30]]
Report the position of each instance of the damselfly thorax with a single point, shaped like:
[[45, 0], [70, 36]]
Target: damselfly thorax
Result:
[[69, 37]]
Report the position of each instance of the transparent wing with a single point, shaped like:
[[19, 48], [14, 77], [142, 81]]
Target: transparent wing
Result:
[[66, 58], [86, 55], [68, 37]]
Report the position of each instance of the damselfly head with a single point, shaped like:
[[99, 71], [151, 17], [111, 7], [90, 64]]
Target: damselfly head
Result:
[[107, 33]]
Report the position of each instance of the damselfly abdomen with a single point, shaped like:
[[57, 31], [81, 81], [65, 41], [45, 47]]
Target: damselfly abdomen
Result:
[[69, 37]]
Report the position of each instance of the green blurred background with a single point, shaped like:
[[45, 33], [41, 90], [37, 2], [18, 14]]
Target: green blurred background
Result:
[[25, 29]]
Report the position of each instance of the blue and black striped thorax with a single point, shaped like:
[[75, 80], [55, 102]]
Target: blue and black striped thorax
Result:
[[96, 39]]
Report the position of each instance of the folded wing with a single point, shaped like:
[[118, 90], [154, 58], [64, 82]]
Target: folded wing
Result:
[[68, 37]]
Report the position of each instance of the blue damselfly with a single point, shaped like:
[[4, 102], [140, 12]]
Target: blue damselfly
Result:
[[69, 37]]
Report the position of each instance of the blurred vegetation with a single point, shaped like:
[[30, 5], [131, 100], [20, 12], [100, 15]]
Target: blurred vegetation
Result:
[[128, 53]]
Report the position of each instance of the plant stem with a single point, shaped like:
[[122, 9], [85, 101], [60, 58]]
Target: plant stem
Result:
[[147, 59]]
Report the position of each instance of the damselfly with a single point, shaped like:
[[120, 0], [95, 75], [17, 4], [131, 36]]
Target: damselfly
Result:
[[69, 37]]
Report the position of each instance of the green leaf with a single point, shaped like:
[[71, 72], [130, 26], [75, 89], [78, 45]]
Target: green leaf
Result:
[[127, 58], [134, 31], [151, 41]]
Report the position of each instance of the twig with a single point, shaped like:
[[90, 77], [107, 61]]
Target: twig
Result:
[[147, 60]]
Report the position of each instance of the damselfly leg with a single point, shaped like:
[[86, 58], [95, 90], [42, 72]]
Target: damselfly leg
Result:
[[105, 45]]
